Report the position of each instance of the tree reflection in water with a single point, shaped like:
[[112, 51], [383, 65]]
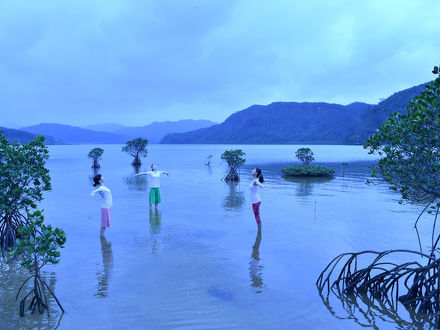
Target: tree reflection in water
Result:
[[370, 312], [235, 199], [305, 185], [139, 183], [255, 267], [107, 263], [11, 278]]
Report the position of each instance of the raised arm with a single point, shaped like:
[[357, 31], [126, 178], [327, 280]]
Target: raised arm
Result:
[[165, 172]]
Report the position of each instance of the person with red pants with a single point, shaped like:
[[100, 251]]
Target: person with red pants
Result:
[[255, 197]]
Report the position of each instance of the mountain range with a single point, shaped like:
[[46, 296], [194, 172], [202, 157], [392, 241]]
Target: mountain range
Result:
[[115, 133], [300, 123], [16, 135], [276, 123], [158, 130]]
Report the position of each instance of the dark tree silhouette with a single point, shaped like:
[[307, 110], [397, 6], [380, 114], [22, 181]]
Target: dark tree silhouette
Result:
[[137, 148], [235, 160], [95, 154]]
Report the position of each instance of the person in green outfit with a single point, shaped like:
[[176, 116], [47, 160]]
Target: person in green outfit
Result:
[[154, 180]]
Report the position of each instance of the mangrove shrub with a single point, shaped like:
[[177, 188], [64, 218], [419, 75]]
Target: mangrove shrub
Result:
[[409, 148], [23, 179], [305, 155], [96, 154], [234, 159], [136, 148], [38, 246]]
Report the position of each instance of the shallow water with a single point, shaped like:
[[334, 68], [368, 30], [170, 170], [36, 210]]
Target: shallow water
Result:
[[199, 263]]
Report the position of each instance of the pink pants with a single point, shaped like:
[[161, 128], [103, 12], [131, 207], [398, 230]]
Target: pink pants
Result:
[[256, 208], [105, 217]]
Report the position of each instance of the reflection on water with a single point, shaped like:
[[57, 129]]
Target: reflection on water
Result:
[[107, 265], [199, 248], [235, 198], [255, 267], [371, 313], [12, 277], [136, 168], [139, 183], [155, 222], [305, 185]]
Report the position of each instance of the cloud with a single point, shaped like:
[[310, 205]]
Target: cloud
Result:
[[134, 62]]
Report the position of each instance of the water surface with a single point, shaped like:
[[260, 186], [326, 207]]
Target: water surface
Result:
[[199, 262]]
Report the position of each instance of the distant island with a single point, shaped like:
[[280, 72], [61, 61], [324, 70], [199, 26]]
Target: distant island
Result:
[[300, 123]]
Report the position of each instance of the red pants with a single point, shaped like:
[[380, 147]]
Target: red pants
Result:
[[256, 208]]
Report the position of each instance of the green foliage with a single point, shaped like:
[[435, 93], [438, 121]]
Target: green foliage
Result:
[[38, 246], [308, 170], [39, 243], [137, 148], [409, 147], [96, 154], [305, 155], [235, 160], [23, 179]]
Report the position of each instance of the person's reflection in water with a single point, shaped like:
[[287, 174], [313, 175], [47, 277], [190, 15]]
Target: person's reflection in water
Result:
[[107, 262], [255, 268], [155, 222]]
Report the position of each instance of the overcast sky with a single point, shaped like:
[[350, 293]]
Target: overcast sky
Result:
[[133, 62]]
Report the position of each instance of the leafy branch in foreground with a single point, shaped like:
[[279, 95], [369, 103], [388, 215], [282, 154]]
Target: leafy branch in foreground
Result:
[[23, 179], [409, 149], [37, 247]]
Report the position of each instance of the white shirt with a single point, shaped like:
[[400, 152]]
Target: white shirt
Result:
[[106, 194], [154, 178], [255, 196]]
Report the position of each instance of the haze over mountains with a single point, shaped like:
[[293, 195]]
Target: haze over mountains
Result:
[[300, 123], [110, 133], [157, 130], [276, 123]]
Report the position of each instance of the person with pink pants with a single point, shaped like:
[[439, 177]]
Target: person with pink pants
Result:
[[107, 201], [256, 183]]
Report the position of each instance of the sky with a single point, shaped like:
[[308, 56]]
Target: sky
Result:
[[133, 62]]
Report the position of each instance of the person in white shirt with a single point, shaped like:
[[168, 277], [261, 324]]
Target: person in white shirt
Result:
[[256, 183], [107, 201], [154, 181]]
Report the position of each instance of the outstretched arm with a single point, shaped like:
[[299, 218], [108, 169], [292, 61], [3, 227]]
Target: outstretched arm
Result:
[[92, 193], [165, 172], [142, 173]]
